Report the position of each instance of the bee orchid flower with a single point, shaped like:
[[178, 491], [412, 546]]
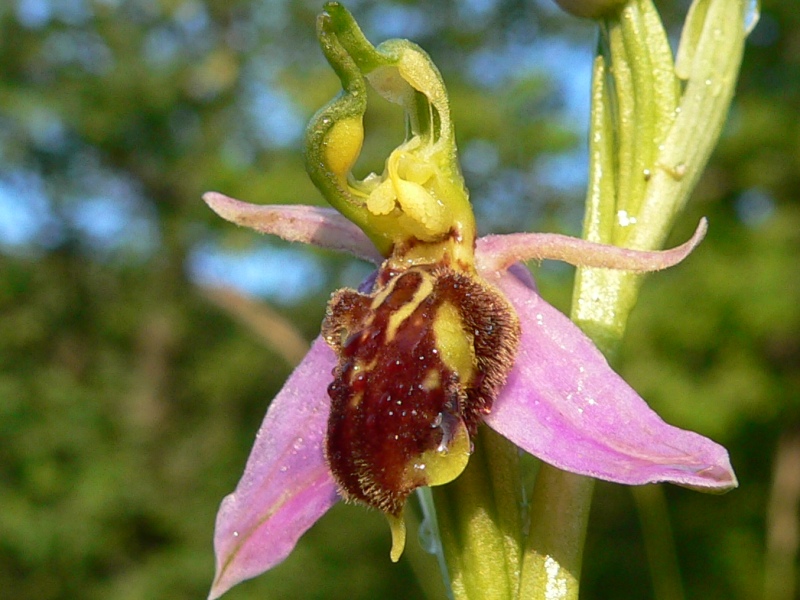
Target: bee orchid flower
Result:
[[448, 333]]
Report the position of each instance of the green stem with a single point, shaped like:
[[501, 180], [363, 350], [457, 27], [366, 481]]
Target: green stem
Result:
[[554, 551], [709, 57], [435, 587], [659, 542], [480, 521], [645, 159]]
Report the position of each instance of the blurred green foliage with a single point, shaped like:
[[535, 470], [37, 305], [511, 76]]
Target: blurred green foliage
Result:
[[128, 400]]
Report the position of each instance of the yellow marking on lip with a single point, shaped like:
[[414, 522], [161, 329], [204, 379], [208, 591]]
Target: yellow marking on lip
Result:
[[432, 381], [441, 465], [455, 344], [381, 296], [356, 400], [424, 290]]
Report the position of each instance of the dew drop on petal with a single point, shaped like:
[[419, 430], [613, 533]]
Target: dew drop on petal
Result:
[[624, 219]]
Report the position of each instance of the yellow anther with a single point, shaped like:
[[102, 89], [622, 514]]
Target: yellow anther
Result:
[[413, 169], [382, 199], [420, 206], [342, 145]]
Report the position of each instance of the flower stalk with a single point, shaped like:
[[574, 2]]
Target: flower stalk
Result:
[[481, 521], [645, 159]]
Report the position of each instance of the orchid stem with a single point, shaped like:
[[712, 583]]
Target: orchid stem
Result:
[[559, 517], [480, 522], [430, 526], [651, 504], [419, 554], [637, 120], [645, 157]]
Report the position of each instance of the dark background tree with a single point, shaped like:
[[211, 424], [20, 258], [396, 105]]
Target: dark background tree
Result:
[[129, 394]]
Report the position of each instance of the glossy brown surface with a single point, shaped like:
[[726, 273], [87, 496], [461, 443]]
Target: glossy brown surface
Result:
[[393, 397]]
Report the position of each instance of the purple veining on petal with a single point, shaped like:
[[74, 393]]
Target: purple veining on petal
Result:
[[564, 404], [286, 486], [500, 251], [323, 227]]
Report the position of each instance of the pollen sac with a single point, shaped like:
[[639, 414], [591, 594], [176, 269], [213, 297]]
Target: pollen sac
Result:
[[420, 361]]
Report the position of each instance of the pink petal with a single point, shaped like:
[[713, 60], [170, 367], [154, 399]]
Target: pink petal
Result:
[[498, 252], [564, 404], [323, 227], [286, 486]]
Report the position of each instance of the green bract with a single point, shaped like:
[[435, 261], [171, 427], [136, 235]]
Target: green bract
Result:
[[654, 123]]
